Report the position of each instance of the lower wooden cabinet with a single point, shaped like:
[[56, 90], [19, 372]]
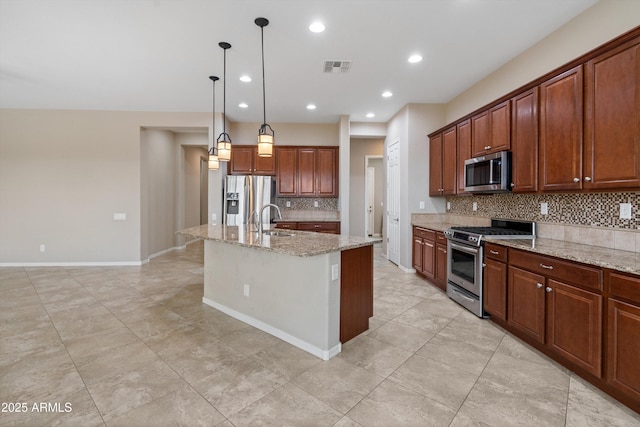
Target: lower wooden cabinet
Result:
[[494, 289], [526, 303], [430, 255], [329, 227]]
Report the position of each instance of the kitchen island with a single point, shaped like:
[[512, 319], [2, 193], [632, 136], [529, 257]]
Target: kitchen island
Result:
[[312, 290]]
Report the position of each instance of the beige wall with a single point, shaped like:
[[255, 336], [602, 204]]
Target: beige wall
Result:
[[286, 133], [192, 191], [361, 147], [602, 22]]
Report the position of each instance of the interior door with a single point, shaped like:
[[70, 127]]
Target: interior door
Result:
[[370, 191], [393, 202]]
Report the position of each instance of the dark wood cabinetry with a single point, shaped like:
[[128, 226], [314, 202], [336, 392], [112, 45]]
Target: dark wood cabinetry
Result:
[[623, 334], [329, 227], [612, 119], [561, 132], [307, 171], [491, 130], [463, 152], [440, 278], [430, 255], [442, 156], [245, 161], [524, 142], [495, 281]]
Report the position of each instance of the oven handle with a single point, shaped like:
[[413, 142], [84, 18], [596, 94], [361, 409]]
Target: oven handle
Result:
[[466, 249], [463, 295]]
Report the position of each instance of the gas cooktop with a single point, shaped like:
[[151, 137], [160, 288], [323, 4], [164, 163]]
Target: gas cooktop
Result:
[[500, 228]]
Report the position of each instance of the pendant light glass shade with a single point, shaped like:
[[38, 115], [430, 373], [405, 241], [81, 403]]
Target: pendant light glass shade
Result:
[[224, 140], [214, 163], [265, 133]]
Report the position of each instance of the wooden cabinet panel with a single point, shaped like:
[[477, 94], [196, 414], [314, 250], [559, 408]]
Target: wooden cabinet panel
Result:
[[500, 125], [561, 132], [612, 119], [286, 177], [241, 162], [417, 253], [356, 291], [264, 165], [495, 289], [449, 158], [331, 227], [524, 142], [435, 165], [623, 347], [287, 225], [464, 152], [440, 278], [526, 303], [575, 325], [480, 133], [497, 252], [428, 259], [327, 172], [306, 172]]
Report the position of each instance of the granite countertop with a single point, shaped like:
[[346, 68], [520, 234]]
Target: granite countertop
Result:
[[615, 259], [303, 243]]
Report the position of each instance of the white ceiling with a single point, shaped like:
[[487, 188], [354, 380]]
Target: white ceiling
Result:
[[156, 55]]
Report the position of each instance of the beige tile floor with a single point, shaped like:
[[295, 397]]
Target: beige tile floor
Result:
[[134, 346]]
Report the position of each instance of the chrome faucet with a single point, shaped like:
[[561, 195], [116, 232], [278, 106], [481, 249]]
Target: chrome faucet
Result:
[[262, 211]]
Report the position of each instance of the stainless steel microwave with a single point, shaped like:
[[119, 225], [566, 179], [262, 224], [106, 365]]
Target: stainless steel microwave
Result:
[[488, 174]]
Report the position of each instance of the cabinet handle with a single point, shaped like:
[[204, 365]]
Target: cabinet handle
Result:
[[576, 179], [587, 178], [548, 267], [487, 147], [539, 285], [512, 185], [492, 252], [316, 226], [548, 289]]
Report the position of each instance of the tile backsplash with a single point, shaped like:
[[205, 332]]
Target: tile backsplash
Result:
[[585, 209], [307, 203]]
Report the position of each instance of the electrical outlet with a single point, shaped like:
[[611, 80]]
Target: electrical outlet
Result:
[[475, 206], [448, 206], [214, 217], [246, 290], [288, 203], [335, 272], [544, 208], [421, 205], [315, 203], [42, 248], [119, 216], [625, 210]]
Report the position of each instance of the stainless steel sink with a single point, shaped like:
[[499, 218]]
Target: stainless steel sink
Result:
[[279, 233]]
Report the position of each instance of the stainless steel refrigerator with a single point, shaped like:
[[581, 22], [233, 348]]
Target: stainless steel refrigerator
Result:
[[244, 198]]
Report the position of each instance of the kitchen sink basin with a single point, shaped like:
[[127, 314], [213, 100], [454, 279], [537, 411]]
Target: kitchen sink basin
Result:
[[279, 233]]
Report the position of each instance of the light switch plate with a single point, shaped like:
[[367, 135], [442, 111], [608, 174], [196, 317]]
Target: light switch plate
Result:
[[288, 203], [335, 272], [448, 206], [315, 203], [625, 210], [246, 290], [421, 205], [475, 206], [544, 208], [119, 216]]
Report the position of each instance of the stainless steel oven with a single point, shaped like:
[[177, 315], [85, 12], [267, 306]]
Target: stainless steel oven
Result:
[[464, 276]]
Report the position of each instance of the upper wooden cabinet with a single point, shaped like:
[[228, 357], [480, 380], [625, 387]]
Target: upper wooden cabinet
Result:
[[524, 142], [612, 119], [245, 161], [307, 171], [491, 130], [561, 132], [442, 163], [464, 151]]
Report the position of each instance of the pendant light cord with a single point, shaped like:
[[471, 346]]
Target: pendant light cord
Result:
[[264, 102], [224, 93]]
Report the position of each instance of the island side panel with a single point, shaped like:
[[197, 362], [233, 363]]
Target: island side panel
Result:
[[289, 294], [356, 291]]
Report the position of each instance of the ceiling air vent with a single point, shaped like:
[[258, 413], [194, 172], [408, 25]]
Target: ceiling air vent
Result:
[[337, 66]]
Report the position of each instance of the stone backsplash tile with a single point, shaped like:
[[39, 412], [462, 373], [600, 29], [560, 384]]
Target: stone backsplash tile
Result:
[[592, 209], [307, 203]]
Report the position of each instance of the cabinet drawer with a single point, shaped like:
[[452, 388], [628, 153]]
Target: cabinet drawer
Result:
[[497, 252], [424, 233], [287, 225], [325, 227], [568, 271], [440, 239], [624, 286]]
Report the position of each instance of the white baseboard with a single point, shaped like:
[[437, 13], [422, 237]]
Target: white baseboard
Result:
[[297, 342], [406, 270]]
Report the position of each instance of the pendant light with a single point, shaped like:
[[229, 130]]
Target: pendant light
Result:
[[214, 163], [265, 133], [224, 140]]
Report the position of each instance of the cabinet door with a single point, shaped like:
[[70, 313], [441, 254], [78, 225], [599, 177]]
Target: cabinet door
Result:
[[440, 278], [417, 254], [435, 165], [623, 347], [449, 172], [428, 258], [575, 325], [561, 132], [495, 289], [241, 160], [612, 119], [524, 142], [464, 151], [264, 165], [307, 172], [500, 127], [286, 179], [480, 134], [526, 303], [327, 172]]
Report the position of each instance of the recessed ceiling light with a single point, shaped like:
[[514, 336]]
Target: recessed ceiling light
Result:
[[311, 107], [316, 27], [387, 94], [245, 78], [415, 58], [243, 105], [370, 115]]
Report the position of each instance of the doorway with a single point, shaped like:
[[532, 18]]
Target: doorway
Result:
[[393, 202], [374, 189]]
